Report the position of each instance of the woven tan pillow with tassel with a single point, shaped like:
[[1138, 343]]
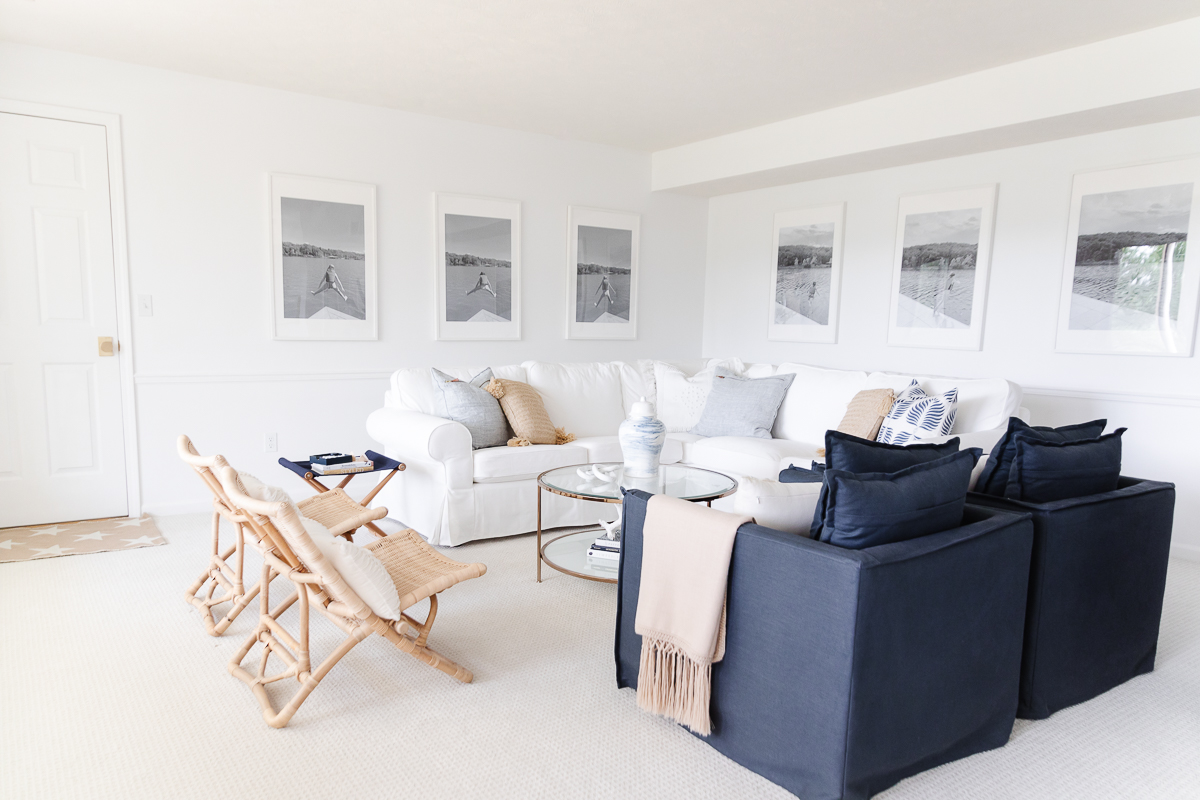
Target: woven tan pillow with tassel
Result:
[[865, 414], [526, 413]]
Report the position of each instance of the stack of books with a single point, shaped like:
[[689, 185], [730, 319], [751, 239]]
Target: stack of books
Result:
[[339, 464], [605, 548]]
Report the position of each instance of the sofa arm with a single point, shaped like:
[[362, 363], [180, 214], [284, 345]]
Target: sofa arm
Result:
[[414, 437]]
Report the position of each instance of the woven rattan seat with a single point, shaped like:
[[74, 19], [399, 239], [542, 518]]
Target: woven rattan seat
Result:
[[338, 512], [417, 569]]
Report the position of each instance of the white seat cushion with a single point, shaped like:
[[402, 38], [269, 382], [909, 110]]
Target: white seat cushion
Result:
[[607, 448], [583, 399], [787, 507], [816, 402], [496, 464], [740, 456]]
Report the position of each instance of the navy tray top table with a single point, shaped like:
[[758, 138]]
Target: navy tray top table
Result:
[[379, 464]]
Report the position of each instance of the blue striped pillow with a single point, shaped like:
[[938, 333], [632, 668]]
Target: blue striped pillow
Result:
[[917, 416]]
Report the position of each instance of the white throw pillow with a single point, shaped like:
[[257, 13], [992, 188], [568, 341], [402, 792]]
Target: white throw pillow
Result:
[[917, 416], [787, 507], [364, 573], [262, 491], [681, 398]]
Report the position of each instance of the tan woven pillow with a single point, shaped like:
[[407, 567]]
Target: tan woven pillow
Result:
[[526, 413], [865, 414]]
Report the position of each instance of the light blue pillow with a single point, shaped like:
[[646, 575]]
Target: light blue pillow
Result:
[[916, 416], [469, 403], [742, 406]]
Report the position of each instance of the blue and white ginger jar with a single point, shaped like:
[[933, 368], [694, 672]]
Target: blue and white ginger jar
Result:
[[642, 437]]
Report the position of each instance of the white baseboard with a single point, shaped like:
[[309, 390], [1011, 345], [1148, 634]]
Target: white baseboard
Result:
[[171, 510], [1185, 552]]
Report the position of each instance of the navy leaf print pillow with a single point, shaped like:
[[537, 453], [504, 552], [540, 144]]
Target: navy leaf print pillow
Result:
[[917, 416]]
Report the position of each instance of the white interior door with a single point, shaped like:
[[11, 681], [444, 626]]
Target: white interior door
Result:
[[62, 451]]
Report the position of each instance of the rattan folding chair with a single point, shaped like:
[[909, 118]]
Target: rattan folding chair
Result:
[[334, 509], [417, 570]]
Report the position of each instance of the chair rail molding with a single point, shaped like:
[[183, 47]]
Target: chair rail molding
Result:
[[167, 378]]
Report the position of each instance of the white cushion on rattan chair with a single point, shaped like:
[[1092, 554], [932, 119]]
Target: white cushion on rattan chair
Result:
[[261, 491], [365, 573]]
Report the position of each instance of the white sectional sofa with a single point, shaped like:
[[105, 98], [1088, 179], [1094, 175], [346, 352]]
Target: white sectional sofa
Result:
[[453, 494]]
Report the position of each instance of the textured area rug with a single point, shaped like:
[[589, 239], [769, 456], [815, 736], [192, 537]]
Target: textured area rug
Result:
[[117, 693], [77, 538]]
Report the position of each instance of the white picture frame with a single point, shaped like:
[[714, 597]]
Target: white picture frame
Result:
[[806, 293], [479, 234], [335, 221], [941, 267], [602, 273], [1124, 291]]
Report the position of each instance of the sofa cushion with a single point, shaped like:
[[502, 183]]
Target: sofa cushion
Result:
[[875, 508], [498, 464], [584, 398], [853, 454], [412, 389], [917, 415], [983, 404], [607, 448], [994, 478], [816, 401], [742, 406], [469, 404], [740, 456], [686, 441], [786, 507], [1043, 471], [680, 397]]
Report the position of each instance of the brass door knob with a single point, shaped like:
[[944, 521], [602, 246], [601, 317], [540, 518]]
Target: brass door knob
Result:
[[106, 345]]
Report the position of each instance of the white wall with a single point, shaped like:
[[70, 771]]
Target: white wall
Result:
[[197, 155], [1156, 398]]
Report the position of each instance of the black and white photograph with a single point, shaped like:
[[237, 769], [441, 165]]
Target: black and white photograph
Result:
[[478, 268], [805, 275], [324, 259], [940, 277], [602, 258], [602, 274], [937, 269], [1129, 288]]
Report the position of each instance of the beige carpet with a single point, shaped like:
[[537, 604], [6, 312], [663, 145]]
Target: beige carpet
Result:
[[77, 538], [109, 688]]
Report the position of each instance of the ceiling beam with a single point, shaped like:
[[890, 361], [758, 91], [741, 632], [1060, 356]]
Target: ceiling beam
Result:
[[1137, 79]]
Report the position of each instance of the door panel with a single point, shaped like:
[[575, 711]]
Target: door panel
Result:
[[62, 443]]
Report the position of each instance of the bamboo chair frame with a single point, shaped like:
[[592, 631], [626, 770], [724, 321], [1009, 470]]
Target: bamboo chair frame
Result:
[[319, 586], [225, 580]]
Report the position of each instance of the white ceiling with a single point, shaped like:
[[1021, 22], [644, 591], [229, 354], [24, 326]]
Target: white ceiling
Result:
[[644, 74]]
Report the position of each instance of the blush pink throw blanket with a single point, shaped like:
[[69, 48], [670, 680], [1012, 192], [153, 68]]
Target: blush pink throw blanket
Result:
[[686, 549]]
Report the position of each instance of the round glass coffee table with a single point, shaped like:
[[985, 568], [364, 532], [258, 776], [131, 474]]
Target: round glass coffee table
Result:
[[568, 553]]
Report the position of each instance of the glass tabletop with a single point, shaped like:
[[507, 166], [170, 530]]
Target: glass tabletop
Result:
[[605, 481]]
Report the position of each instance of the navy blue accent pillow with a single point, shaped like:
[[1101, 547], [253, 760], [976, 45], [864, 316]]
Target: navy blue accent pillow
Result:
[[874, 508], [855, 454], [1043, 472], [794, 474], [993, 479]]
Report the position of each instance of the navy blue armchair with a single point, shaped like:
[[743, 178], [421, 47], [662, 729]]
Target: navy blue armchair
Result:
[[846, 671], [1096, 586]]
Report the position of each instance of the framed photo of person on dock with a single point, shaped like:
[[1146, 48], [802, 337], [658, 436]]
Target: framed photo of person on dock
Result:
[[323, 269], [807, 275], [602, 273], [478, 268]]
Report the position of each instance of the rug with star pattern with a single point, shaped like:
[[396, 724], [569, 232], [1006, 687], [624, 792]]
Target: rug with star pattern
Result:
[[78, 538]]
